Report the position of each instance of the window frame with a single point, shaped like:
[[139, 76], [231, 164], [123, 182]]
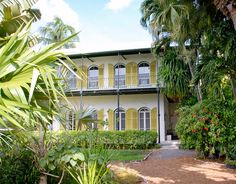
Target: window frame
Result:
[[122, 80], [89, 77], [121, 111], [139, 74], [144, 110]]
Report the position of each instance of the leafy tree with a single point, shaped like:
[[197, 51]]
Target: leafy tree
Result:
[[57, 31], [175, 75]]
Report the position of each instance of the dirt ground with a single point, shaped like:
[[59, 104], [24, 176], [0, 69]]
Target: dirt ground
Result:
[[176, 166]]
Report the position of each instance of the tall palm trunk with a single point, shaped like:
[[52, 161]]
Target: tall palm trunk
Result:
[[197, 87]]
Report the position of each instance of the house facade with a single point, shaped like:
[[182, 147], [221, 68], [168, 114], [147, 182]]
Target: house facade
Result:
[[121, 85]]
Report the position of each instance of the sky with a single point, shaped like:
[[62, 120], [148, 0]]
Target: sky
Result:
[[103, 24]]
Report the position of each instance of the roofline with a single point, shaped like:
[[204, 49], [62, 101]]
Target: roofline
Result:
[[111, 53]]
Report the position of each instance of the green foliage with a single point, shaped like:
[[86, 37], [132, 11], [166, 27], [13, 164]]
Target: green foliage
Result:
[[57, 31], [175, 75], [128, 155], [94, 170], [210, 127], [110, 139], [231, 163], [17, 166]]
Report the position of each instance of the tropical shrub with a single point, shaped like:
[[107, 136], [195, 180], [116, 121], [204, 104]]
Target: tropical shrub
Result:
[[130, 139], [209, 127], [94, 170], [17, 166]]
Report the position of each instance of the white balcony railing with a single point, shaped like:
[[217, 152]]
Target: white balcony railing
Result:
[[140, 81]]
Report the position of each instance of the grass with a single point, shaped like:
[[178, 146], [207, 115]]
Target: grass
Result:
[[128, 155]]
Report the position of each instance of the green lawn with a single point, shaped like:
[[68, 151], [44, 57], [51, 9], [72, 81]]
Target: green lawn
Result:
[[128, 155]]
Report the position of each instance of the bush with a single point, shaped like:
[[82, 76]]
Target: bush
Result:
[[209, 127], [110, 139], [16, 166]]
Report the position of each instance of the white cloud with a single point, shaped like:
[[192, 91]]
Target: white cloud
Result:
[[52, 8], [115, 5]]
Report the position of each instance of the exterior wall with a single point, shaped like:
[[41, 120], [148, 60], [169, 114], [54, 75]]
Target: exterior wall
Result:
[[107, 104], [106, 70], [130, 103]]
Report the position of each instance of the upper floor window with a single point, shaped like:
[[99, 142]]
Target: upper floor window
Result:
[[93, 77], [70, 120], [120, 75], [144, 119], [144, 73], [120, 119], [71, 80]]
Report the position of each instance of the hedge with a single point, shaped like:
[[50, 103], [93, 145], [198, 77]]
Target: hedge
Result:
[[109, 139]]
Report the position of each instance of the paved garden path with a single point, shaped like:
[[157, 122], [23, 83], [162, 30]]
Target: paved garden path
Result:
[[170, 165]]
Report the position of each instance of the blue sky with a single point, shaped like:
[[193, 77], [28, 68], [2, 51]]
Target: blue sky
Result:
[[103, 24]]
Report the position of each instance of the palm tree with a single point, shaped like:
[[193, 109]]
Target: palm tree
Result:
[[57, 31], [14, 13], [228, 8], [168, 15], [175, 74]]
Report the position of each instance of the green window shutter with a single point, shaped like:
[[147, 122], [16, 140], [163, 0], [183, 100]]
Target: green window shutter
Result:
[[111, 75], [110, 120], [129, 119], [134, 74], [153, 72], [132, 119], [154, 119], [101, 119], [101, 76], [128, 74], [135, 119]]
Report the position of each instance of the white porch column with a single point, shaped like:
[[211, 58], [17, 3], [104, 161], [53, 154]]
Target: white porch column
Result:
[[162, 119]]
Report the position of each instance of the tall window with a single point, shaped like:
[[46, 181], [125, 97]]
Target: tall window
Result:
[[144, 119], [93, 77], [144, 73], [71, 80], [70, 121], [120, 75], [93, 125], [120, 119]]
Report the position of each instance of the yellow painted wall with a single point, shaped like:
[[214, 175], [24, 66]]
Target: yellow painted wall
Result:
[[131, 74], [154, 119], [101, 76], [153, 72], [100, 118], [131, 119], [110, 119], [111, 75]]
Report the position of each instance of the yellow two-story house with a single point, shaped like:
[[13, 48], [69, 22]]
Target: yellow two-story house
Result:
[[122, 86]]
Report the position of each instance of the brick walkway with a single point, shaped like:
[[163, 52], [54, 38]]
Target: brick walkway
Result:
[[170, 165]]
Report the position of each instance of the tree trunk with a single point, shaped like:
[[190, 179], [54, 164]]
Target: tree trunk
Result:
[[196, 87], [232, 81], [43, 179]]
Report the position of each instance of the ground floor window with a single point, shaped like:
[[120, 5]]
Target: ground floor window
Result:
[[70, 121], [144, 119], [93, 125], [120, 119]]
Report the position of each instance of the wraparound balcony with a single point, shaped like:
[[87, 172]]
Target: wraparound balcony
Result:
[[107, 86]]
